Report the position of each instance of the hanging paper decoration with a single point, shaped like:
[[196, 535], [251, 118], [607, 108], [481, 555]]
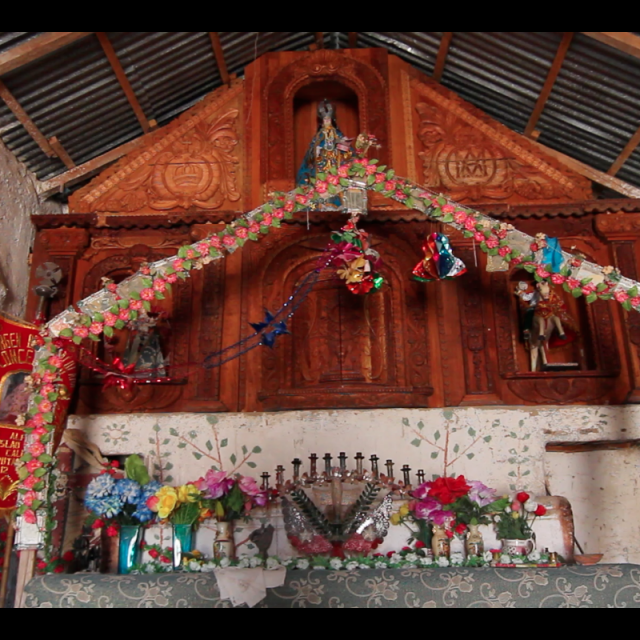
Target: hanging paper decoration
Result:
[[439, 262], [355, 261]]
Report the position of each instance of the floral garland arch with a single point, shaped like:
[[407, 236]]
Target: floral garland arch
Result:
[[112, 308]]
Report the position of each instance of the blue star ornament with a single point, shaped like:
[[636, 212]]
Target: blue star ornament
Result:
[[268, 320], [279, 329]]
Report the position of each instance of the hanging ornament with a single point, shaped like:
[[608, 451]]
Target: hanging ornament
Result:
[[355, 261], [439, 263]]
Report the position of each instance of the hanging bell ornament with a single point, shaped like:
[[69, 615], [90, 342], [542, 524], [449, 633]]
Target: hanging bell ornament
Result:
[[439, 263]]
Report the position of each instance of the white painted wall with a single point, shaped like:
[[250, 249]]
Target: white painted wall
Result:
[[18, 201], [503, 447]]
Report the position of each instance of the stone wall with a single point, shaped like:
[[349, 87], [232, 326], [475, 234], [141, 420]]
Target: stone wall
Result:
[[18, 201], [505, 448]]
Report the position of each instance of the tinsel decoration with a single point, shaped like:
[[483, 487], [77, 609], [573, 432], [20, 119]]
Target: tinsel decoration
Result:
[[355, 261], [439, 263]]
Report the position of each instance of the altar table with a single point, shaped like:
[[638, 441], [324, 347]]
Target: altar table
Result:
[[567, 588]]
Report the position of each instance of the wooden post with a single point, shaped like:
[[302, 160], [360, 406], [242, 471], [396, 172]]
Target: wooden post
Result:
[[26, 571], [554, 72], [220, 59], [443, 53], [5, 570]]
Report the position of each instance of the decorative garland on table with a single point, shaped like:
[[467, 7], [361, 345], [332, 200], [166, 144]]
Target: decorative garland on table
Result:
[[405, 559], [118, 305]]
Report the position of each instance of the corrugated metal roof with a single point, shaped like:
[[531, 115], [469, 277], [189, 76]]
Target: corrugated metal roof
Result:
[[73, 93], [9, 39]]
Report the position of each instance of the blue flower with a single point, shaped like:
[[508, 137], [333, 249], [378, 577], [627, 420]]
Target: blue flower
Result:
[[143, 514], [109, 507], [128, 491], [150, 490], [101, 487]]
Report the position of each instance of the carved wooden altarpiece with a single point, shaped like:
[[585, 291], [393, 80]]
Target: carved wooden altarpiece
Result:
[[411, 345]]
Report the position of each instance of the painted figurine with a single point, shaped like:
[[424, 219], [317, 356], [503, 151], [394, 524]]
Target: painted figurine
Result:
[[545, 316], [328, 150]]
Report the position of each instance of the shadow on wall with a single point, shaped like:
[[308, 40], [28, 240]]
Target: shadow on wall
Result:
[[601, 485]]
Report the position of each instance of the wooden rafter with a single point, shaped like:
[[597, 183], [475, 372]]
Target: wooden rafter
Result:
[[592, 174], [219, 53], [554, 72], [625, 155], [26, 121], [320, 39], [118, 69], [79, 173], [51, 148], [38, 47], [353, 39], [443, 53], [622, 40], [61, 152]]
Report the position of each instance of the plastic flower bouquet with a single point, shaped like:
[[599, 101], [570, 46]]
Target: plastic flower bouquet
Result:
[[453, 503], [179, 506], [231, 498], [516, 519], [122, 502]]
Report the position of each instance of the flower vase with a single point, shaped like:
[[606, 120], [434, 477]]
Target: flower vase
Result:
[[522, 548], [475, 542], [182, 543], [225, 546], [129, 549], [441, 543]]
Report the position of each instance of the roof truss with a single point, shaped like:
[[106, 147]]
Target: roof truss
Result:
[[38, 47]]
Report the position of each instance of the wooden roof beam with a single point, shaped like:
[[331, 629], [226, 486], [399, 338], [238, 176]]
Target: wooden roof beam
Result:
[[625, 155], [118, 69], [554, 72], [592, 174], [320, 39], [220, 59], [79, 173], [37, 47], [443, 54], [621, 40], [51, 148], [353, 39]]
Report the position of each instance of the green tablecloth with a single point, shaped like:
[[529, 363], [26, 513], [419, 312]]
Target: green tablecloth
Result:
[[567, 588]]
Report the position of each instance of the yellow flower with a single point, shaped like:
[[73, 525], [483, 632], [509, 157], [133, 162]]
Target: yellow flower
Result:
[[396, 518], [404, 511], [515, 516], [188, 493], [167, 502]]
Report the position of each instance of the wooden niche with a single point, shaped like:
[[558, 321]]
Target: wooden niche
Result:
[[345, 351]]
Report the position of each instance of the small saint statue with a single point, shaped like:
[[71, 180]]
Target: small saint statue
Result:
[[329, 149], [547, 325]]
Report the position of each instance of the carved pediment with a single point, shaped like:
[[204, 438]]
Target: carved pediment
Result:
[[471, 158], [193, 164]]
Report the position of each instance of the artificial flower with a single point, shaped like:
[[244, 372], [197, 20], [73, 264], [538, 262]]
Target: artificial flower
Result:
[[523, 497], [449, 490], [167, 502], [188, 494], [216, 485]]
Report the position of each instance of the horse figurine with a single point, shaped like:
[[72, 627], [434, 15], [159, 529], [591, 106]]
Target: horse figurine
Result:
[[546, 315]]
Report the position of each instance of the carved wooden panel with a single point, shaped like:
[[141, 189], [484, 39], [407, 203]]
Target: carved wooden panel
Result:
[[474, 159], [193, 164], [345, 351]]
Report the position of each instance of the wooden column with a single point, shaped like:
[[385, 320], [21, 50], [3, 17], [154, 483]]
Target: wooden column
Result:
[[623, 232], [26, 571]]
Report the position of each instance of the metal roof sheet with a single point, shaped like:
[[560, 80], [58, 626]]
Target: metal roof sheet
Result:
[[73, 93]]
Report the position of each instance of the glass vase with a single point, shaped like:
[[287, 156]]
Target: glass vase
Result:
[[225, 546], [441, 543], [182, 543], [475, 542], [129, 549]]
